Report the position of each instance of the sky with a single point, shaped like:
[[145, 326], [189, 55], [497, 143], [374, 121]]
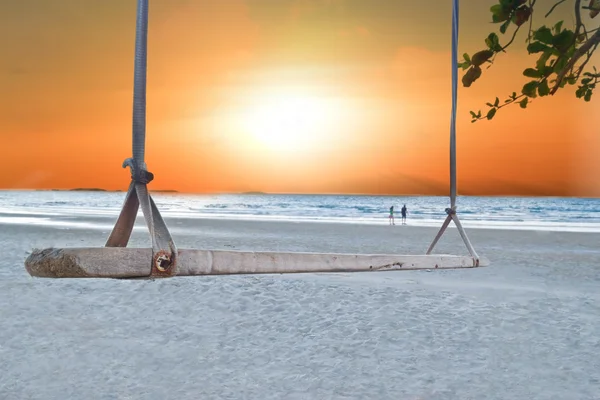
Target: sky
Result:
[[281, 96]]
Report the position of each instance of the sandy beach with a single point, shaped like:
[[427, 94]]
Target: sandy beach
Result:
[[524, 328]]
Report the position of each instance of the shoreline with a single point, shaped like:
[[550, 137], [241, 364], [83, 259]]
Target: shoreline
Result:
[[78, 219], [303, 233]]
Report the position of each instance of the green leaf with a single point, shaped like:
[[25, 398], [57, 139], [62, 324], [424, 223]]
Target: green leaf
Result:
[[496, 102], [491, 113], [558, 26], [504, 26], [563, 39], [544, 35], [585, 81], [523, 103], [467, 58], [521, 15], [471, 76], [532, 73], [529, 89], [594, 8], [541, 62], [464, 65], [536, 47], [489, 104], [560, 64], [473, 114], [481, 56], [493, 42], [499, 13], [588, 95], [543, 89]]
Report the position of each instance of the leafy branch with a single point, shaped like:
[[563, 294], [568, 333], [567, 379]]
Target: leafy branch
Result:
[[563, 54]]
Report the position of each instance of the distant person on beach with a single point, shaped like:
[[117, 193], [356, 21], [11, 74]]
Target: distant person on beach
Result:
[[392, 222], [403, 211]]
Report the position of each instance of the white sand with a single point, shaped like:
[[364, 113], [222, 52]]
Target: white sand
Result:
[[527, 327]]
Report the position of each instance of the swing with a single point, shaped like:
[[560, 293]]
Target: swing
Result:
[[116, 260]]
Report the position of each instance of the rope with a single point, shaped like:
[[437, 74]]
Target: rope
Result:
[[451, 211], [137, 165], [139, 85], [455, 12], [164, 251]]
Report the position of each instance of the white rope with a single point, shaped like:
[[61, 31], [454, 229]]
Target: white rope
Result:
[[452, 216], [164, 251], [139, 84], [454, 101]]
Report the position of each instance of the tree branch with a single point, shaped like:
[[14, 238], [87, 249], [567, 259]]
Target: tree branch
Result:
[[577, 19], [512, 39], [591, 42], [582, 66], [529, 36], [553, 7], [592, 30], [507, 103]]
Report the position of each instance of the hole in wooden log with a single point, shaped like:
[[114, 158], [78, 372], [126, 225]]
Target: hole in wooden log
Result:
[[162, 261]]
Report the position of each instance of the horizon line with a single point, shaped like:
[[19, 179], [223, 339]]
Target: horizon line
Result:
[[172, 191]]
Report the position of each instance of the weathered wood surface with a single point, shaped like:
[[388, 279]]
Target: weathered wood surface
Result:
[[126, 262]]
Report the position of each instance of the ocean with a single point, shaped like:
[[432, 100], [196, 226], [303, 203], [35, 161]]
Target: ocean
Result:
[[96, 209]]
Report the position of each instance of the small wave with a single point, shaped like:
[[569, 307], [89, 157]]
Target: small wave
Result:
[[215, 206], [326, 206]]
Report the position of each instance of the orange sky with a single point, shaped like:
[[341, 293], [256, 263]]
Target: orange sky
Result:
[[374, 76]]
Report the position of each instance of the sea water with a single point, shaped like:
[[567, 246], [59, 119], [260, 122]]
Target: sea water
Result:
[[529, 213]]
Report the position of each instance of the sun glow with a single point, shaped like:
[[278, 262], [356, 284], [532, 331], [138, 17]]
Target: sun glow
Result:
[[292, 123]]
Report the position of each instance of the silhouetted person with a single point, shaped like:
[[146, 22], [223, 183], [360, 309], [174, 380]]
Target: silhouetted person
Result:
[[403, 211], [392, 222]]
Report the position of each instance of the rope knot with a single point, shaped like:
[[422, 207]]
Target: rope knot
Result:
[[138, 175], [450, 211]]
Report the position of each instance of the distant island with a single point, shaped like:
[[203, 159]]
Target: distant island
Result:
[[253, 193], [164, 191], [88, 190]]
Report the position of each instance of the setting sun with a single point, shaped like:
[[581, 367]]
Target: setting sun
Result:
[[291, 122], [287, 123]]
